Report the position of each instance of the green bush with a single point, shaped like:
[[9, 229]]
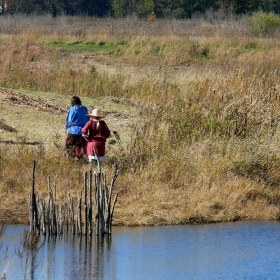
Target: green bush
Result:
[[261, 23]]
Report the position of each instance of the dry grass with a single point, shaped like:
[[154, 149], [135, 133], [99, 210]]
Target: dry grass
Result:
[[196, 106]]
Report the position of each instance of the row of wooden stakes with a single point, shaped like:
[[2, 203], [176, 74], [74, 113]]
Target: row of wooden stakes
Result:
[[96, 209]]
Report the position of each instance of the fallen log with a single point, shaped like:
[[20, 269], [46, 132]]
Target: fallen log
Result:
[[7, 127]]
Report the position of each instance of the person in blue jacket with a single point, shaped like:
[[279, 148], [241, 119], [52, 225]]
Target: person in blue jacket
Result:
[[75, 121]]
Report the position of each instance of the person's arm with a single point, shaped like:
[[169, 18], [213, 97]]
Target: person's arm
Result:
[[69, 118], [85, 130]]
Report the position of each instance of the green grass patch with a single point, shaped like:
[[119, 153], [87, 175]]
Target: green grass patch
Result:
[[249, 47], [157, 49], [87, 46]]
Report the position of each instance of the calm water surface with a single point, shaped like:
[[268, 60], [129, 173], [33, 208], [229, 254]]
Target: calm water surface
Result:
[[241, 250]]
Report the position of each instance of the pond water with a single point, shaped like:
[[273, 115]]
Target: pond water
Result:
[[240, 250]]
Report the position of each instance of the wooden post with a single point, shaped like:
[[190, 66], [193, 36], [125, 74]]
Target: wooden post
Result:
[[85, 203], [35, 223], [71, 213], [60, 220], [66, 216], [51, 219], [79, 216], [32, 224], [97, 202], [111, 215], [1, 164], [48, 217], [101, 204], [51, 215], [30, 207], [90, 203], [110, 212], [54, 214], [49, 206], [41, 207], [98, 161]]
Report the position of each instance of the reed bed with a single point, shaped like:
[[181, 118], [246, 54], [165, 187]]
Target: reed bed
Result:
[[206, 148]]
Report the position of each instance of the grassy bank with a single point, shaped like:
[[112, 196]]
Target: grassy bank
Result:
[[195, 104]]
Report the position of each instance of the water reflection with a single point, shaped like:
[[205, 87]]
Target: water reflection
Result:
[[242, 250], [74, 257]]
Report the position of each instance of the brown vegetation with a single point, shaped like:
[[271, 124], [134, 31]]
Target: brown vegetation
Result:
[[194, 106]]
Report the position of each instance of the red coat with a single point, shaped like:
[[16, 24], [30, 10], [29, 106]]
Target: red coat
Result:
[[95, 137]]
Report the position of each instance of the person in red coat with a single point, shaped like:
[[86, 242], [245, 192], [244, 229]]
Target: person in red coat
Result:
[[95, 133]]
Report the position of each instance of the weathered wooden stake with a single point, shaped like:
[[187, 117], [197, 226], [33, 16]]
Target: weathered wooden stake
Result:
[[79, 216], [60, 219], [53, 217], [71, 213], [34, 223], [90, 204], [85, 203], [97, 203]]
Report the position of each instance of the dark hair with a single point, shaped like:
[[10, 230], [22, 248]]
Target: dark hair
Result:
[[75, 100]]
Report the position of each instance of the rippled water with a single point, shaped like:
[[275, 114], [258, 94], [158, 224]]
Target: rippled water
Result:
[[241, 250]]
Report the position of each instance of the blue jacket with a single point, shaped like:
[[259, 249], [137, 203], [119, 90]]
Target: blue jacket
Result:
[[76, 119]]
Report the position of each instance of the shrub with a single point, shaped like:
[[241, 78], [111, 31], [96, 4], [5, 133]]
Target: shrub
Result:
[[261, 23]]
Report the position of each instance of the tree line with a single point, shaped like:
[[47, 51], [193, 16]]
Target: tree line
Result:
[[180, 9]]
